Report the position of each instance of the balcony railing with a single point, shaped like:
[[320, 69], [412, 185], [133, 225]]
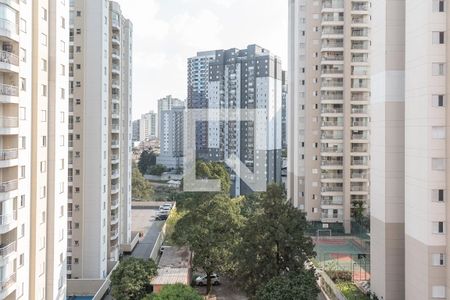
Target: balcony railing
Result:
[[9, 58], [333, 4], [331, 176], [332, 202], [331, 163], [8, 154], [8, 249], [332, 123], [8, 282], [8, 218], [326, 189], [9, 90], [9, 122], [357, 188], [115, 172], [359, 175], [8, 186], [327, 110], [8, 27], [336, 217]]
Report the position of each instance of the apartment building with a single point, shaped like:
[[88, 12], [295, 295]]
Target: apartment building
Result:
[[171, 139], [136, 130], [148, 126], [329, 91], [33, 155], [99, 138], [226, 80]]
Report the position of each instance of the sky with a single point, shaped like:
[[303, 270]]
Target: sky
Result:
[[167, 32]]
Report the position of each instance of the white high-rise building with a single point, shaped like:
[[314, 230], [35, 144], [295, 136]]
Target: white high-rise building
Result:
[[148, 126], [329, 91], [33, 154], [100, 138]]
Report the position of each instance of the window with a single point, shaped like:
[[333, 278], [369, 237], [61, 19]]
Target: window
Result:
[[61, 140], [438, 100], [438, 132], [63, 46], [63, 93], [438, 228], [43, 166], [23, 142], [22, 201], [43, 116], [23, 54], [438, 291], [44, 141], [23, 84], [21, 260], [438, 37], [63, 70], [63, 22], [44, 90], [22, 230], [43, 39], [23, 25], [62, 164], [438, 6], [62, 117], [22, 172], [438, 69], [78, 13], [44, 65], [43, 191], [438, 195], [438, 259], [23, 113], [44, 14], [438, 164]]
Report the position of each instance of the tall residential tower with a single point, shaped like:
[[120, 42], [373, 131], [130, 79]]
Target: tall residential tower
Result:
[[100, 138], [234, 79], [329, 92]]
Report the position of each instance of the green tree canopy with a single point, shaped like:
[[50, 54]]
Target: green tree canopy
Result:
[[146, 160], [205, 170], [301, 285], [142, 190], [157, 170], [175, 292], [273, 241], [211, 230], [131, 279]]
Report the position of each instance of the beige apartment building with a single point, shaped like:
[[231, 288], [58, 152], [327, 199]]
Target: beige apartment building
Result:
[[329, 92], [33, 153], [99, 138]]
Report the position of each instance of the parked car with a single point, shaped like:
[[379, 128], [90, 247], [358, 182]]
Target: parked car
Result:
[[202, 280], [161, 217], [165, 206]]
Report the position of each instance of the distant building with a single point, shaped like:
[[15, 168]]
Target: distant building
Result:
[[284, 111], [136, 130], [239, 79], [148, 126], [171, 133]]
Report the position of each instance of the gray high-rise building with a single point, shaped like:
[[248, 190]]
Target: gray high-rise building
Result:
[[136, 130], [234, 79]]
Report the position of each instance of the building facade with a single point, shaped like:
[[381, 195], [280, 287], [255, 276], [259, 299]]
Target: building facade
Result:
[[239, 79], [148, 126], [136, 130], [329, 91], [33, 160], [171, 138], [100, 138]]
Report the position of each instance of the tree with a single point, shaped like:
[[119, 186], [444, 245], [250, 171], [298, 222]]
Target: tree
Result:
[[210, 230], [205, 170], [131, 279], [273, 241], [300, 285], [141, 188], [146, 160], [175, 292], [157, 170]]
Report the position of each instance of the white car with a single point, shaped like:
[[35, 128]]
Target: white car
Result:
[[166, 206], [202, 280]]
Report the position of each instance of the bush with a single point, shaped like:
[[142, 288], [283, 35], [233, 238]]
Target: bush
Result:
[[340, 276]]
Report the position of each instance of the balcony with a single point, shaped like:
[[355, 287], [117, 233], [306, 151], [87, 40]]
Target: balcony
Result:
[[8, 222], [9, 62], [359, 175], [114, 234], [332, 218], [114, 219], [360, 162], [357, 7], [115, 144], [359, 188], [9, 93], [8, 186], [115, 173], [8, 157], [115, 159], [360, 136], [331, 176], [360, 123], [332, 5], [331, 110], [115, 69], [9, 29], [116, 54], [9, 125], [115, 23], [115, 39], [7, 286], [332, 202], [333, 123], [115, 188], [115, 203], [331, 163], [332, 136], [6, 251]]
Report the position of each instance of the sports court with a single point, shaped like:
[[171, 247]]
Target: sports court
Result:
[[344, 254]]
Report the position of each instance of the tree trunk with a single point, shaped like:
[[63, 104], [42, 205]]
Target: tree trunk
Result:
[[208, 283]]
